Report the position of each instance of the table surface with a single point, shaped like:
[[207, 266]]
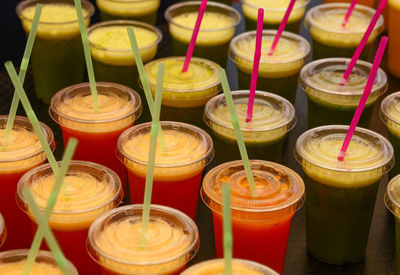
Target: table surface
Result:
[[379, 258]]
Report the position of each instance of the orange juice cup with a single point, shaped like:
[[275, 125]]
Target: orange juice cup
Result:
[[394, 37]]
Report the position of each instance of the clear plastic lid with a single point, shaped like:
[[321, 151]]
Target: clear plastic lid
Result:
[[13, 262], [368, 157], [273, 117], [390, 112], [279, 190], [90, 190], [289, 56], [128, 8], [114, 240], [110, 44], [24, 149], [3, 230], [392, 196], [189, 89], [321, 80], [72, 107]]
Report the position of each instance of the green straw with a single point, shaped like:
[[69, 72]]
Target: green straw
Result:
[[22, 73], [50, 239], [31, 115], [88, 59], [152, 156], [226, 194], [37, 240], [238, 132]]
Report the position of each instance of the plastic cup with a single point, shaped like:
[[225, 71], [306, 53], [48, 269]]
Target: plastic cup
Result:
[[57, 56], [3, 230], [226, 2], [341, 195], [23, 153], [392, 201], [369, 3], [185, 94], [239, 266], [178, 166], [264, 136], [114, 241], [274, 11], [328, 102], [90, 190], [97, 133], [394, 34], [111, 50], [277, 73], [260, 224], [216, 30], [140, 10], [13, 262], [331, 39]]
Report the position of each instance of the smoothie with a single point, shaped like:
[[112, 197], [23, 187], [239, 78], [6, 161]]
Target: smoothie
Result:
[[57, 56], [274, 11], [216, 30], [23, 153], [331, 39], [97, 133], [3, 230], [369, 3], [394, 34], [260, 223], [278, 73], [12, 262], [264, 136], [114, 241], [90, 190], [341, 195], [178, 165], [328, 102], [185, 94], [141, 10]]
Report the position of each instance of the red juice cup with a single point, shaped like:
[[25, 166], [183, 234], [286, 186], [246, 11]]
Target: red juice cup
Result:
[[114, 241], [260, 224], [97, 133], [3, 230], [23, 153], [90, 190], [178, 166]]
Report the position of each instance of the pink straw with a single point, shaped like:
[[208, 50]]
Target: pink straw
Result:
[[364, 40], [281, 27], [192, 43], [349, 12], [257, 56], [363, 100]]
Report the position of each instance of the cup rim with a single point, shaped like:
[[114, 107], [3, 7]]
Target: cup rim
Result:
[[245, 2], [390, 202], [385, 116]]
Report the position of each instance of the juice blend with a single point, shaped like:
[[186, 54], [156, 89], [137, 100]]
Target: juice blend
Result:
[[90, 190], [393, 54], [22, 153], [260, 223], [178, 165], [114, 241]]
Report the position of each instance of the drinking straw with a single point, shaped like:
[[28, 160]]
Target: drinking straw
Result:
[[37, 240], [192, 43], [152, 156], [257, 56], [363, 100], [50, 239], [238, 132], [281, 27], [22, 73], [19, 89], [88, 59], [226, 194], [363, 42], [349, 12]]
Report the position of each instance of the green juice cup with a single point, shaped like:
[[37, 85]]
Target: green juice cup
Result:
[[328, 102], [185, 94], [274, 11], [216, 30], [277, 73], [331, 39], [341, 195], [264, 136], [141, 10], [57, 56]]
